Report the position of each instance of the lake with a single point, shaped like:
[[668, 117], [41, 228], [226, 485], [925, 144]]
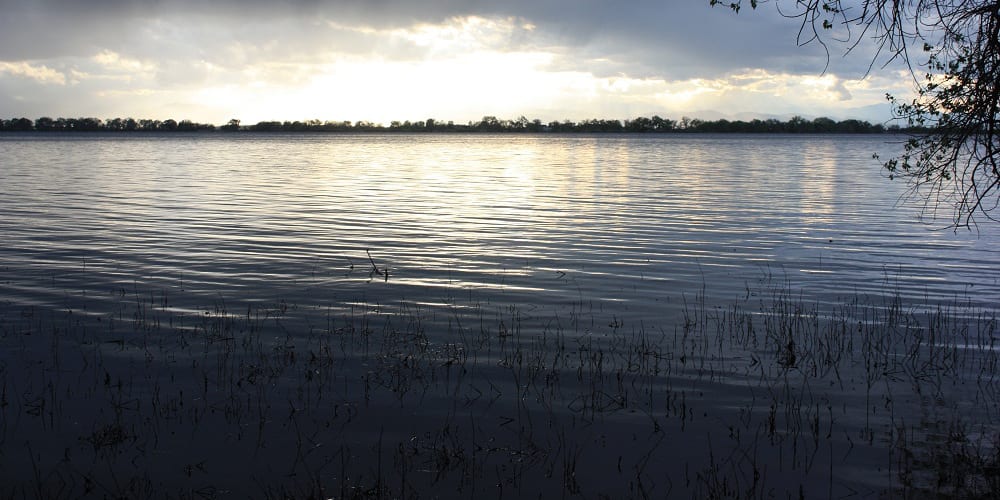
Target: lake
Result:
[[505, 315]]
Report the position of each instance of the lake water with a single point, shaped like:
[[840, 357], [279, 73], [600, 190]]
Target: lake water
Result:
[[628, 240]]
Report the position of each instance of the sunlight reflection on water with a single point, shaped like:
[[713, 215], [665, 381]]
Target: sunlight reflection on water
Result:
[[535, 218]]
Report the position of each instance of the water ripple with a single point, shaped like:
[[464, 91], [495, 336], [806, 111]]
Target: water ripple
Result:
[[545, 220]]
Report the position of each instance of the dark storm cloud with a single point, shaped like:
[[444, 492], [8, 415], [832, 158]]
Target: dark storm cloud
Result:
[[641, 39]]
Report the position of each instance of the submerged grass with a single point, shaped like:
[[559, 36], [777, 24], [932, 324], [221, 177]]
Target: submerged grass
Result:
[[767, 397]]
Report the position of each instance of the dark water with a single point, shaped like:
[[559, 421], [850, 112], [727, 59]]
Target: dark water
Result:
[[433, 251]]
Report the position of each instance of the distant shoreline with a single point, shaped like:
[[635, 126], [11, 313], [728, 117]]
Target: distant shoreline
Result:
[[489, 124]]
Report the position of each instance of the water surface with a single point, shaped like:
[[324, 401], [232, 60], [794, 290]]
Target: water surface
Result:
[[502, 307], [624, 220]]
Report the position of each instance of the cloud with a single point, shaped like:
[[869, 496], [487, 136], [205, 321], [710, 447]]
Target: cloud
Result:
[[564, 58], [642, 38], [39, 73]]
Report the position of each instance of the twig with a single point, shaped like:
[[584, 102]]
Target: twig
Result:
[[375, 269]]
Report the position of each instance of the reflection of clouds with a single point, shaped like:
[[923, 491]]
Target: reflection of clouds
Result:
[[444, 195], [454, 211], [760, 189], [819, 180]]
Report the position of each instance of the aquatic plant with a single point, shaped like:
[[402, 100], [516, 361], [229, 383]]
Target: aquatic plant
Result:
[[767, 396]]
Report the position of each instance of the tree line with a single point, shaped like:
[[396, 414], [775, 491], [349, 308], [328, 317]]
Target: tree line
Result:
[[46, 124], [491, 124]]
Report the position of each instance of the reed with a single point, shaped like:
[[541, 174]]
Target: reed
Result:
[[766, 396]]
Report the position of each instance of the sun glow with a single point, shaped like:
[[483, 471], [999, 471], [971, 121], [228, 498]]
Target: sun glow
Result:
[[384, 90], [486, 81], [469, 65], [462, 69]]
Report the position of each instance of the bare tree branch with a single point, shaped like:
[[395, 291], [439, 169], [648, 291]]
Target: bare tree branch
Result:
[[953, 164]]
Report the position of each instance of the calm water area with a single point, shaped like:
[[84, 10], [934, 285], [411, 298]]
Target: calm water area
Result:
[[482, 252]]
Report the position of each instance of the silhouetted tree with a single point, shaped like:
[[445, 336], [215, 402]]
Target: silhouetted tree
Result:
[[489, 124], [824, 124], [21, 124], [954, 161], [45, 124]]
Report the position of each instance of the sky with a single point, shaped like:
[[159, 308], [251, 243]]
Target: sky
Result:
[[383, 60]]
